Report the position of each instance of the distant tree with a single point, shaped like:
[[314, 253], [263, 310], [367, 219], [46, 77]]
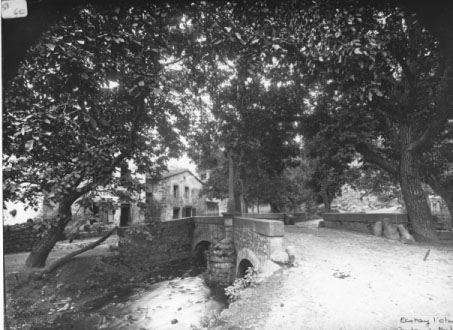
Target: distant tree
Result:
[[372, 180], [390, 81]]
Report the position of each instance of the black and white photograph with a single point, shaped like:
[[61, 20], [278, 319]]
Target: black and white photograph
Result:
[[227, 165]]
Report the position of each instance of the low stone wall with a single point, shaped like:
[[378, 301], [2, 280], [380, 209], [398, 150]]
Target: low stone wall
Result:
[[144, 246], [19, 238], [267, 216], [298, 217], [287, 218], [257, 239], [362, 222]]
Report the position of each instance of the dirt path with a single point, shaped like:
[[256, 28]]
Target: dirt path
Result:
[[348, 281]]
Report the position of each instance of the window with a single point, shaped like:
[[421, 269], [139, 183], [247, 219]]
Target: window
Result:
[[176, 213], [186, 192], [212, 208], [176, 191]]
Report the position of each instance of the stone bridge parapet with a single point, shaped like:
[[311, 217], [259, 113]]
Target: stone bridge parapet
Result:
[[256, 239], [252, 241], [208, 229]]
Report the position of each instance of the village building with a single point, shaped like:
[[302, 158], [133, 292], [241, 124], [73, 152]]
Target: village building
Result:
[[178, 194]]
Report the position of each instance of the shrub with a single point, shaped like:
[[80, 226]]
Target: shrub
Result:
[[233, 292]]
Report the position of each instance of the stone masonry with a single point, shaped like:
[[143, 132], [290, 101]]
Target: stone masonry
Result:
[[145, 246], [148, 245], [19, 238]]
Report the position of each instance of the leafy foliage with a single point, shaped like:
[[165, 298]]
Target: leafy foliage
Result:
[[95, 94], [67, 128], [233, 292]]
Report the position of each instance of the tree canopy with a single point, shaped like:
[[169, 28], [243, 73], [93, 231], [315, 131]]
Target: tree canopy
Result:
[[95, 92], [117, 82]]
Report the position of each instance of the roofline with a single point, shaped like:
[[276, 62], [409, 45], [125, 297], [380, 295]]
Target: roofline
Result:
[[170, 175]]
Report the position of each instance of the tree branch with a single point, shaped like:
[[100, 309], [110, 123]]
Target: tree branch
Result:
[[373, 157], [60, 262], [442, 114]]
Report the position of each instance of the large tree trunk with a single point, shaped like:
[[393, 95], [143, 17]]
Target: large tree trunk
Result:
[[415, 197], [275, 208], [60, 262], [243, 206], [231, 206], [40, 252], [237, 201], [444, 193], [327, 204], [326, 198]]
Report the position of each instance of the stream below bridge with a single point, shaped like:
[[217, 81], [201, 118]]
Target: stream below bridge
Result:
[[175, 304]]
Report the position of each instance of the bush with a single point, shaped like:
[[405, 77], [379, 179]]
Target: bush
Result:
[[233, 292]]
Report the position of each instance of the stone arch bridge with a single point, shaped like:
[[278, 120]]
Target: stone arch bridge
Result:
[[252, 240]]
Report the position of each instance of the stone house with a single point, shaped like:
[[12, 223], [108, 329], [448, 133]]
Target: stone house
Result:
[[177, 194]]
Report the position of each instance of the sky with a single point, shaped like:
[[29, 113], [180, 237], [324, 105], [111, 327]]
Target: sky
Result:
[[183, 162]]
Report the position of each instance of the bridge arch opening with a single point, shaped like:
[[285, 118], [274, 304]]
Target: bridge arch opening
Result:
[[242, 268], [201, 253]]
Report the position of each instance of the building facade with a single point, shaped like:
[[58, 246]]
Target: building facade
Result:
[[177, 194]]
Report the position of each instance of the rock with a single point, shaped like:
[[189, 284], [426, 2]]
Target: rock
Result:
[[406, 238], [291, 251], [390, 230], [267, 269], [174, 321], [280, 257], [377, 228], [321, 224]]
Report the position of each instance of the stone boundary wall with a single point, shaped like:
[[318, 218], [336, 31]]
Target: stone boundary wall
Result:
[[144, 246], [19, 238], [257, 239], [287, 218], [361, 222]]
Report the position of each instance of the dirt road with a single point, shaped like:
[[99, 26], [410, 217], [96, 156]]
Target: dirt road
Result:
[[347, 280]]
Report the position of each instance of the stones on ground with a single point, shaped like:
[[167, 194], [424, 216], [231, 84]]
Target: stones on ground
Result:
[[406, 238], [280, 257], [390, 230], [291, 251], [341, 275], [174, 321], [377, 228], [267, 269], [287, 257]]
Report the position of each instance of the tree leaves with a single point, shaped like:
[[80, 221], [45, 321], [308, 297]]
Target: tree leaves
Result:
[[82, 127], [51, 47], [29, 145]]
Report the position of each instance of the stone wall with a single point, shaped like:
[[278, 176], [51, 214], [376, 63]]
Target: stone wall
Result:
[[256, 239], [362, 222], [287, 218], [210, 229], [144, 246], [19, 238], [163, 195]]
